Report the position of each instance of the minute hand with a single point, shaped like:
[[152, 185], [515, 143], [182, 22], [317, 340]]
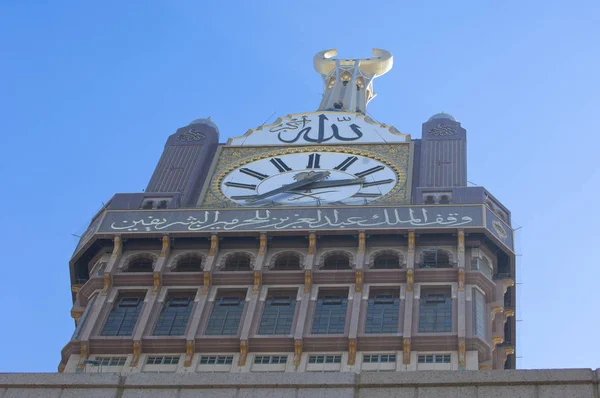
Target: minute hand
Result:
[[329, 184], [289, 187]]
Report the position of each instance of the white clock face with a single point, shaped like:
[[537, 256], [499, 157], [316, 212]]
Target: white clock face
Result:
[[310, 179]]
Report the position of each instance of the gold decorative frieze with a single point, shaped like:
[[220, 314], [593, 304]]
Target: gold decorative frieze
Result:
[[307, 281], [166, 243], [461, 279], [156, 283], [214, 245], [137, 351], [362, 242], [497, 340], [207, 282], [461, 241], [406, 351], [359, 281], [508, 312], [117, 247], [243, 352], [497, 310], [351, 352], [410, 279], [411, 241], [312, 243], [257, 280], [107, 284], [189, 353], [508, 282], [297, 352], [462, 352]]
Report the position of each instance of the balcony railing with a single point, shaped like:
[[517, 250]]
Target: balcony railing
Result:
[[448, 264], [503, 275]]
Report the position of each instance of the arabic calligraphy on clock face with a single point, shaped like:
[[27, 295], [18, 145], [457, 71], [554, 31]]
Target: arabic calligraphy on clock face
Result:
[[351, 179]]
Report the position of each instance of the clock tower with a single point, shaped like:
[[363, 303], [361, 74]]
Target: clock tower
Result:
[[325, 241]]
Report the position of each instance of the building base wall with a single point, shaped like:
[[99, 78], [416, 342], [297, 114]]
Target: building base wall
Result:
[[579, 383]]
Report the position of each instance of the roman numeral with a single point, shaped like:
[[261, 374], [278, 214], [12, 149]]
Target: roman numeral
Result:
[[313, 161], [281, 166], [374, 183], [346, 163], [253, 173], [366, 195], [369, 171], [238, 185]]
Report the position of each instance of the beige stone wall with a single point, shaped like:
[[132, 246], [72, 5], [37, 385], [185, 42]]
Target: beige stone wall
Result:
[[580, 383]]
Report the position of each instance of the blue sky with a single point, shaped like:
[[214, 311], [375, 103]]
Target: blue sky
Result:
[[91, 90]]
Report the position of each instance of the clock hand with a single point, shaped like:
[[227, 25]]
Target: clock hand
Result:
[[292, 186], [329, 184]]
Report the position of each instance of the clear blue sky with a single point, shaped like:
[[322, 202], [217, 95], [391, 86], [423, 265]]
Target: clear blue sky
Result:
[[91, 90]]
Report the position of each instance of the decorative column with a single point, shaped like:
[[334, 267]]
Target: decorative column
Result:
[[258, 265], [195, 316], [251, 300], [212, 255], [150, 300], [409, 299], [356, 298], [304, 299], [114, 258], [462, 303], [360, 259], [160, 263]]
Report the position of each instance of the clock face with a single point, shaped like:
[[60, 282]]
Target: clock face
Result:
[[310, 179]]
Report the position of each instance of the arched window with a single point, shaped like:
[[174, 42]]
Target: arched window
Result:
[[386, 261], [237, 262], [287, 262], [435, 258], [444, 200], [189, 263], [142, 263], [336, 261]]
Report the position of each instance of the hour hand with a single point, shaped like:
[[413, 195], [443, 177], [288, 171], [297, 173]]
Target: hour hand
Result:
[[308, 179], [329, 184]]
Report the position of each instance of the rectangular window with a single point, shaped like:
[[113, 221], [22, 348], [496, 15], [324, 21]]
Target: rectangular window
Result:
[[110, 361], [479, 314], [435, 311], [226, 316], [481, 265], [174, 316], [330, 313], [123, 317], [216, 360], [270, 359], [434, 358], [278, 315], [382, 312], [162, 360], [325, 359], [379, 358]]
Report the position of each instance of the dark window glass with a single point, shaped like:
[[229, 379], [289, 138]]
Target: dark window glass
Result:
[[110, 361], [270, 359], [379, 358], [191, 263], [140, 264], [123, 317], [325, 359], [434, 358], [216, 360], [435, 258], [174, 316], [382, 313], [336, 262], [278, 315], [237, 262], [387, 261], [330, 314], [435, 313], [287, 262], [225, 316], [162, 360]]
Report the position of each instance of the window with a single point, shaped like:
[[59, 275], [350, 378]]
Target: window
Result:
[[330, 313], [174, 316], [429, 200], [148, 205], [123, 317], [140, 264], [225, 316], [479, 312], [435, 313], [387, 261], [189, 263], [270, 359], [287, 262], [435, 258], [336, 262], [237, 262], [325, 359], [110, 361], [379, 358], [278, 315], [434, 358], [482, 265], [216, 360], [382, 313], [444, 200], [162, 360]]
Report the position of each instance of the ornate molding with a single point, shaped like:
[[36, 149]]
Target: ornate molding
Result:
[[214, 245], [362, 242], [107, 284], [190, 346], [411, 241], [351, 352], [83, 355], [307, 281], [406, 351], [243, 352], [312, 243], [207, 282], [257, 280], [497, 310], [166, 245], [137, 351], [297, 352], [359, 281], [263, 245], [497, 340], [117, 247], [76, 315], [410, 279], [485, 367], [156, 283], [462, 351], [508, 312], [508, 282], [461, 241], [461, 279]]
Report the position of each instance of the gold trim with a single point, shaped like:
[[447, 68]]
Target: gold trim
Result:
[[156, 283], [351, 352], [166, 245], [461, 241], [137, 351], [214, 245], [462, 352], [243, 352], [189, 353], [497, 340], [312, 243], [359, 281], [107, 283], [461, 279], [297, 352], [411, 241], [406, 351], [307, 281], [485, 367], [362, 242], [410, 279], [263, 244], [207, 282], [257, 280]]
